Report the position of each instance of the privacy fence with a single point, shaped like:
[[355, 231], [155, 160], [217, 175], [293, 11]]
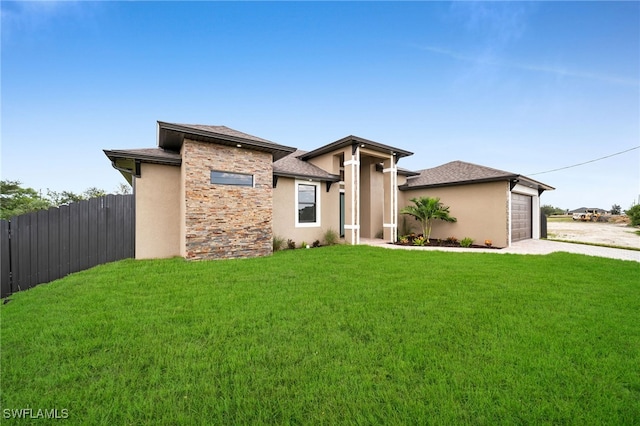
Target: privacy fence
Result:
[[46, 245]]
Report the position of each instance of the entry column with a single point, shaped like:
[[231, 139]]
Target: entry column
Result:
[[390, 210], [352, 195]]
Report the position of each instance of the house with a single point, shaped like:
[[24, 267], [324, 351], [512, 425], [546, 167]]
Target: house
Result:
[[589, 209], [209, 192]]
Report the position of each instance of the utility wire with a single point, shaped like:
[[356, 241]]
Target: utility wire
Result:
[[586, 162]]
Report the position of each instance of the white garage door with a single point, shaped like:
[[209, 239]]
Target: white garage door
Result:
[[520, 217]]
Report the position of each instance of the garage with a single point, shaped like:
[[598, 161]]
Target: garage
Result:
[[521, 210]]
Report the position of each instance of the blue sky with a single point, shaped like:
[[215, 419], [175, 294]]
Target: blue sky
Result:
[[522, 87]]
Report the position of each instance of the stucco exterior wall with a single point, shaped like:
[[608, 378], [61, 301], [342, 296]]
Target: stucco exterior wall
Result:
[[158, 221], [482, 211], [226, 221], [285, 211]]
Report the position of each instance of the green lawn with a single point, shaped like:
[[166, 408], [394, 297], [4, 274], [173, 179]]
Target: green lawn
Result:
[[336, 335]]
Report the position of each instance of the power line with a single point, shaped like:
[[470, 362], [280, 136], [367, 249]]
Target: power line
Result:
[[586, 162]]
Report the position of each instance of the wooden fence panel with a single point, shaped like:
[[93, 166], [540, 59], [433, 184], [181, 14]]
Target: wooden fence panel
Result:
[[30, 250], [42, 230], [112, 215], [130, 227], [92, 226], [5, 259], [54, 245], [46, 245], [85, 236], [64, 246]]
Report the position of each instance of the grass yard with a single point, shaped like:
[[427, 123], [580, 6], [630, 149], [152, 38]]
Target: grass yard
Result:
[[336, 335]]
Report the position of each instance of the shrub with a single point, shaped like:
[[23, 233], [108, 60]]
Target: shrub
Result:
[[278, 243], [427, 209], [466, 242], [316, 243], [330, 237], [291, 244], [419, 241], [488, 243], [304, 244], [634, 215], [404, 239], [452, 240]]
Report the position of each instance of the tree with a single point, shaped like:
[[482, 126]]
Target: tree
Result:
[[615, 209], [123, 188], [64, 197], [548, 210], [16, 200], [93, 192], [634, 214], [426, 210]]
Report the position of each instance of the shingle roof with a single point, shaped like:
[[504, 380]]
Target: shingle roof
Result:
[[292, 166], [456, 172], [460, 172], [351, 140], [224, 130], [172, 135]]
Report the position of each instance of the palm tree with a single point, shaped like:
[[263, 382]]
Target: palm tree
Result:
[[426, 210]]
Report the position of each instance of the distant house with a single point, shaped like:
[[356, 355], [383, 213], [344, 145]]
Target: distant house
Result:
[[589, 209], [209, 192]]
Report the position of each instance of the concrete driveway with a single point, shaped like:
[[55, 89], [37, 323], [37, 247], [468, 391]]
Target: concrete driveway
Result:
[[539, 247]]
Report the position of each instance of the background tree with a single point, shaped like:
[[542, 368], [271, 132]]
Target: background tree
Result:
[[63, 197], [93, 192], [549, 210], [634, 214], [615, 209], [426, 210], [16, 200], [123, 188]]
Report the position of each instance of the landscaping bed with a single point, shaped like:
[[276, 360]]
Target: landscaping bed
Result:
[[419, 241]]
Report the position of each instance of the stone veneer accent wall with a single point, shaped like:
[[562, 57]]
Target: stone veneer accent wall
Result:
[[226, 221]]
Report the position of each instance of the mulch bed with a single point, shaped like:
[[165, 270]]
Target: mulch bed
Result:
[[444, 243]]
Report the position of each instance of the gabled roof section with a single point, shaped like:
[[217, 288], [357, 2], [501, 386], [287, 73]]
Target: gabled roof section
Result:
[[292, 166], [171, 136], [460, 172], [355, 140]]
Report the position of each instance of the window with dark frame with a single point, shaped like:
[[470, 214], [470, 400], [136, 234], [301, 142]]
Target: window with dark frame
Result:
[[227, 178], [307, 203]]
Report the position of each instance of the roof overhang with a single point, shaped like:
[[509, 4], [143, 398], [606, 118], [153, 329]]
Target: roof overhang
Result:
[[127, 161], [325, 178], [355, 141], [512, 179], [530, 183], [171, 136]]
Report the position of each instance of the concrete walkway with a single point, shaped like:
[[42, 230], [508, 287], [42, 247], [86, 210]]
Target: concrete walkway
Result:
[[525, 247]]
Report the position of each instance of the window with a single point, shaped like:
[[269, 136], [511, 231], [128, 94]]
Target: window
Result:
[[307, 204], [227, 178]]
